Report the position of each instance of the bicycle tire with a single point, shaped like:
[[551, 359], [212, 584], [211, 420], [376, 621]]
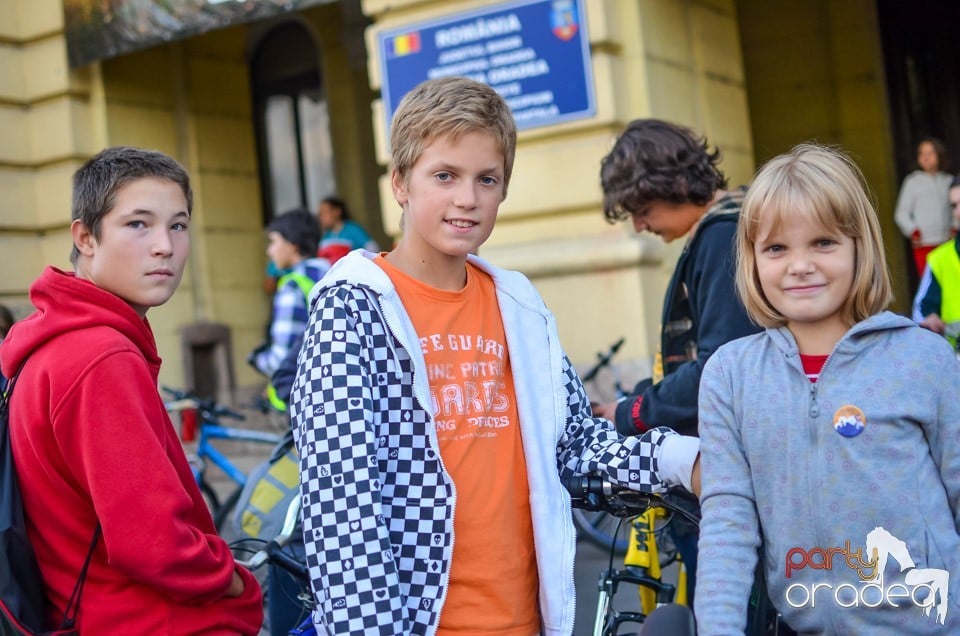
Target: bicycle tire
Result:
[[226, 508], [598, 529], [210, 495]]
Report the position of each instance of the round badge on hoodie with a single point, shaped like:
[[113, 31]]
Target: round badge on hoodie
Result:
[[849, 420]]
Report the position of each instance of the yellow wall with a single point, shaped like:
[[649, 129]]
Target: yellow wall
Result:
[[45, 115], [652, 58], [815, 72]]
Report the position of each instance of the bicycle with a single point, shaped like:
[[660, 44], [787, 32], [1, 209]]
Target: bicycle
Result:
[[650, 515], [200, 421], [597, 527], [273, 552], [658, 599]]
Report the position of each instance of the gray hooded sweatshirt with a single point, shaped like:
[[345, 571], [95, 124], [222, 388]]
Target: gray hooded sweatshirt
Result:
[[866, 458]]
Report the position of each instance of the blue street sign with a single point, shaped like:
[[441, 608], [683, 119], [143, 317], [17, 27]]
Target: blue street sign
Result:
[[535, 53]]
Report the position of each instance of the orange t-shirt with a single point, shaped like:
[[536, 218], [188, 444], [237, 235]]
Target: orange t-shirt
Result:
[[493, 574]]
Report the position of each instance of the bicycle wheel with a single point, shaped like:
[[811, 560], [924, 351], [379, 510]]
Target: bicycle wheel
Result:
[[600, 529], [226, 508]]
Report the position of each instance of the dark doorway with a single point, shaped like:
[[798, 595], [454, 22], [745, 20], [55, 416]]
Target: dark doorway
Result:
[[292, 121], [922, 59]]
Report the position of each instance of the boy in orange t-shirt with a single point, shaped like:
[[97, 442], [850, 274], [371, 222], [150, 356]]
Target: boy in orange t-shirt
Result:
[[436, 413]]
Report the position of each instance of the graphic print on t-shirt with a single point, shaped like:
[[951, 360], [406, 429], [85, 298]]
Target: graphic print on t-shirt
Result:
[[467, 387]]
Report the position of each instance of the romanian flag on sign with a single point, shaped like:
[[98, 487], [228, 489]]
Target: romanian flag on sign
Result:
[[405, 44]]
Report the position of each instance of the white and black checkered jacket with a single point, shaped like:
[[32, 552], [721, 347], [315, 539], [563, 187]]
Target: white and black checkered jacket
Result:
[[378, 505]]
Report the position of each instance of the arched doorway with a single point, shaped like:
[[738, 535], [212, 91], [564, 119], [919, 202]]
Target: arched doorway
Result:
[[292, 122]]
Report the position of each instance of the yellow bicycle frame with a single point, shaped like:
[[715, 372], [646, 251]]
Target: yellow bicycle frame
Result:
[[643, 552]]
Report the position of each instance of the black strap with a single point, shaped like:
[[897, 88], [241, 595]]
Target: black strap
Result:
[[8, 389], [73, 605]]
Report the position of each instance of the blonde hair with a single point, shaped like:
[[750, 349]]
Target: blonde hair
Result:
[[450, 107], [825, 184]]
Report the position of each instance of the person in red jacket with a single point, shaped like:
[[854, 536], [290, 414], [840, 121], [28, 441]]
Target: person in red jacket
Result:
[[91, 440]]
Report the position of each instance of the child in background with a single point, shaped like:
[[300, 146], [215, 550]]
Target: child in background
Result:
[[937, 302], [292, 243], [922, 212], [435, 411], [832, 433], [91, 440], [341, 234]]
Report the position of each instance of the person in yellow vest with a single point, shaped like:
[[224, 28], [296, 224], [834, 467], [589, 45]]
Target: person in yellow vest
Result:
[[937, 303], [293, 238]]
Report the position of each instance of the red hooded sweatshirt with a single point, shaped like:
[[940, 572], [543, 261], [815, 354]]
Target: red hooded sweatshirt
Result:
[[92, 441]]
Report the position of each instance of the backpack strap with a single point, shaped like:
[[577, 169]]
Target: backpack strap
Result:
[[8, 387], [73, 605]]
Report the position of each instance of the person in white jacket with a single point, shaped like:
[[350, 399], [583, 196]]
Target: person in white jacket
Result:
[[435, 411], [923, 209]]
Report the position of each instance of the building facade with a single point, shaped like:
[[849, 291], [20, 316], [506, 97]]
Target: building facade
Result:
[[275, 112]]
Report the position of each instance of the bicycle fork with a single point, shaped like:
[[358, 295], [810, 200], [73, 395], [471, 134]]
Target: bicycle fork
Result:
[[644, 553]]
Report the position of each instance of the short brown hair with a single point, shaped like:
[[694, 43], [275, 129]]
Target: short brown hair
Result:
[[96, 183], [826, 184], [450, 106]]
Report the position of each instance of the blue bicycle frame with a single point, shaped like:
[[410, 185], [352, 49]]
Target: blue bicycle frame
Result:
[[206, 450]]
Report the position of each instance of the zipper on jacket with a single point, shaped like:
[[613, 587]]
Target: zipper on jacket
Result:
[[816, 433], [814, 407], [814, 386]]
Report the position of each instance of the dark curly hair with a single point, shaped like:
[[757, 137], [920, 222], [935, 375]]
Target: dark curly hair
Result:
[[654, 160]]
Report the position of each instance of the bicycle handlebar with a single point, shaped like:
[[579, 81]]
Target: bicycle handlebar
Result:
[[273, 552], [603, 360], [594, 493], [208, 407]]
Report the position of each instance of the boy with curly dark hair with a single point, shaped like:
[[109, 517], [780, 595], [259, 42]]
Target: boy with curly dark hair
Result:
[[665, 178]]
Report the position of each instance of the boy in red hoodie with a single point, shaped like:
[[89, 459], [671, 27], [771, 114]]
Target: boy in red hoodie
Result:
[[90, 436]]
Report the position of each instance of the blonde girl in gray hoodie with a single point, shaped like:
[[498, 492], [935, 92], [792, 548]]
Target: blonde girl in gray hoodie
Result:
[[830, 441]]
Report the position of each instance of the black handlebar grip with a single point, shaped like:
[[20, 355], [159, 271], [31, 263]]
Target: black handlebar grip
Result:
[[287, 562]]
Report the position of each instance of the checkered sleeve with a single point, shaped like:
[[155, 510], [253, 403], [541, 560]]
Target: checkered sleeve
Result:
[[349, 555], [592, 445], [288, 323]]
